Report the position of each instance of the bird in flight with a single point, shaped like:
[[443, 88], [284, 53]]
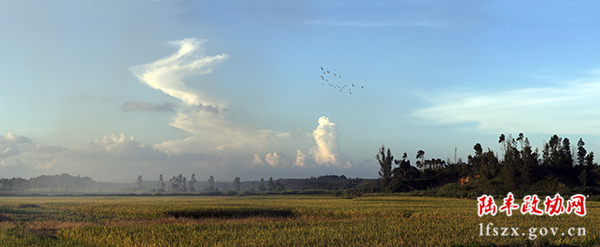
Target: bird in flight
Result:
[[340, 87]]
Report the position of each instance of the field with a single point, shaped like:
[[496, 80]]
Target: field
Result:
[[276, 220]]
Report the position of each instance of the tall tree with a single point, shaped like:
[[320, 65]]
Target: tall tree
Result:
[[261, 185], [581, 152], [566, 155], [140, 182], [589, 159], [385, 162], [421, 159], [402, 169], [192, 182], [530, 162], [211, 183], [161, 183]]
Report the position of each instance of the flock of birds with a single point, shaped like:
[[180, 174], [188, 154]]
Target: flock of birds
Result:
[[339, 87]]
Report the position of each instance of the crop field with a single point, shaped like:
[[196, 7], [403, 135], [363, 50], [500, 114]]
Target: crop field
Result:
[[278, 220]]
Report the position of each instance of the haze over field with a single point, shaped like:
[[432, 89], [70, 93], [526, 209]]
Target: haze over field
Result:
[[117, 89]]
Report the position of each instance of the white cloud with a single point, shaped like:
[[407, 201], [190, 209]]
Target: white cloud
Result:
[[276, 160], [167, 74], [213, 132], [117, 148], [570, 109], [10, 144], [326, 151], [257, 160], [19, 154], [300, 158]]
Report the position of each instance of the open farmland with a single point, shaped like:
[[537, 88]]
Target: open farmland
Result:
[[274, 220]]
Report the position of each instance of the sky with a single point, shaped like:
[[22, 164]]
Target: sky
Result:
[[117, 89]]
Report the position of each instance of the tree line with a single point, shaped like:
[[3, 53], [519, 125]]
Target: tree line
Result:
[[518, 168], [181, 184]]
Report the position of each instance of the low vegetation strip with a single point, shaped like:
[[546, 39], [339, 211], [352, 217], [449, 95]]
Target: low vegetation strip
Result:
[[229, 213]]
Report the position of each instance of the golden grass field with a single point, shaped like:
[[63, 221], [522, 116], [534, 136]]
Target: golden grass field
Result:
[[275, 220]]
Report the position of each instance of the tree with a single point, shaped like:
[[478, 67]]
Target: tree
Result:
[[178, 183], [589, 159], [252, 186], [385, 162], [530, 162], [421, 159], [403, 167], [272, 186], [237, 183], [140, 182], [581, 152], [261, 185], [161, 183], [211, 184], [192, 182]]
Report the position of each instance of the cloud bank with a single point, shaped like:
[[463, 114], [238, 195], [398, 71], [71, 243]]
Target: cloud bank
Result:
[[570, 109], [20, 154]]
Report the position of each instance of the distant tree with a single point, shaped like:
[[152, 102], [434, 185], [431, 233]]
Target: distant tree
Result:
[[581, 152], [261, 185], [512, 162], [252, 186], [402, 169], [589, 159], [181, 182], [211, 184], [192, 182], [178, 183], [271, 184], [530, 162], [161, 183], [237, 183], [140, 182], [566, 155], [421, 159], [521, 139], [385, 163], [174, 184]]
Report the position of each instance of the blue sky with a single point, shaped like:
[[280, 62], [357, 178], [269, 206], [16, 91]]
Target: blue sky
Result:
[[115, 89]]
